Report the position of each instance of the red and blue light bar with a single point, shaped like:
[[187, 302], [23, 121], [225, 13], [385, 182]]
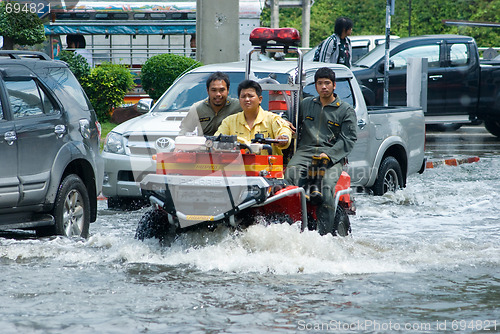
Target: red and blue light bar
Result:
[[275, 37]]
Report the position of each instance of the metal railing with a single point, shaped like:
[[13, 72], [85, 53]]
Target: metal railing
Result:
[[132, 51]]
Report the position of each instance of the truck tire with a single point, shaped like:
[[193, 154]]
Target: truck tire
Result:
[[389, 178], [341, 223], [153, 224], [446, 127], [71, 210], [493, 127]]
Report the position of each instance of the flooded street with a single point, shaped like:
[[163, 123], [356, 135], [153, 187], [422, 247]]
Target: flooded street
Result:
[[423, 259]]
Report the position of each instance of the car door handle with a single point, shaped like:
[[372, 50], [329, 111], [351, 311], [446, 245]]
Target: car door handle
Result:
[[435, 77], [60, 130], [10, 137], [361, 124]]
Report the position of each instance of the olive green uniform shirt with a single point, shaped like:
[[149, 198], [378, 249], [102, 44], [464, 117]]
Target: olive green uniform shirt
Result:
[[330, 129], [202, 117]]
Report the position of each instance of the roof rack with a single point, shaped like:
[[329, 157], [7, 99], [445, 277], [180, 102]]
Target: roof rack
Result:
[[16, 54]]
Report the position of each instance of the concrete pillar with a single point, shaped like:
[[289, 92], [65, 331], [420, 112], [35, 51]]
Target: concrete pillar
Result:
[[275, 13], [416, 82], [217, 31], [306, 22]]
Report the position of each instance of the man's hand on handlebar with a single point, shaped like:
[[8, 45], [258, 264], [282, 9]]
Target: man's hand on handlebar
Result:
[[282, 140], [324, 155]]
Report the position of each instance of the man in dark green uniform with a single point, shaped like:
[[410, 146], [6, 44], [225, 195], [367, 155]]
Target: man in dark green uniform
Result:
[[205, 116], [327, 128]]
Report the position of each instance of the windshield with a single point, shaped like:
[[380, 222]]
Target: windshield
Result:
[[371, 58], [192, 88], [309, 55], [67, 84], [358, 51]]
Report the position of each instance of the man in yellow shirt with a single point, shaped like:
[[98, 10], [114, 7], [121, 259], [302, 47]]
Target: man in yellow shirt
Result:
[[253, 119]]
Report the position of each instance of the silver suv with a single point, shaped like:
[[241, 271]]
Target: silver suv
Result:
[[51, 169]]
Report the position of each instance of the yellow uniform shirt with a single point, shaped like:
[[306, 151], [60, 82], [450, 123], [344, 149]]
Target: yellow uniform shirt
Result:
[[267, 123]]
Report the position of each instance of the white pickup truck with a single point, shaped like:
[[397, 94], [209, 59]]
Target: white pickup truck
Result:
[[390, 144]]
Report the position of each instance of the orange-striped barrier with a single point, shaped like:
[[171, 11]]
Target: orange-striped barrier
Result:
[[451, 162]]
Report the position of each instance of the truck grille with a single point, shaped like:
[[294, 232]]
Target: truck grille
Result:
[[143, 144]]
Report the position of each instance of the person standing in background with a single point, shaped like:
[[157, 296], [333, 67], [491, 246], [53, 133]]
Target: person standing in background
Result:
[[77, 43], [192, 44], [337, 47]]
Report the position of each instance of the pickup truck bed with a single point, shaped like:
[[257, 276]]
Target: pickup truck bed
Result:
[[390, 135]]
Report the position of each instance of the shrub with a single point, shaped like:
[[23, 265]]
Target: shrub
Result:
[[19, 26], [160, 71], [106, 87], [77, 63]]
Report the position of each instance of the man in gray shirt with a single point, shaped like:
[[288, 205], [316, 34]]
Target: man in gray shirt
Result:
[[205, 116]]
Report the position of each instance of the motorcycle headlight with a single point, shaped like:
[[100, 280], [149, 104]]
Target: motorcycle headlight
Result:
[[114, 143]]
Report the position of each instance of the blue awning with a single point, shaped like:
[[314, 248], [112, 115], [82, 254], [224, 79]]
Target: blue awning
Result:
[[86, 29]]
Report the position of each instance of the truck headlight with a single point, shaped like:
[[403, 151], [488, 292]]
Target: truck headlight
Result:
[[114, 143]]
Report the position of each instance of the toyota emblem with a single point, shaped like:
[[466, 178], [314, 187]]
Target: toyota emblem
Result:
[[163, 144]]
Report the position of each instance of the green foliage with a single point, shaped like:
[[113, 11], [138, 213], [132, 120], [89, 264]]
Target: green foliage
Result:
[[369, 18], [483, 11], [106, 128], [160, 71], [106, 87], [77, 63], [24, 28]]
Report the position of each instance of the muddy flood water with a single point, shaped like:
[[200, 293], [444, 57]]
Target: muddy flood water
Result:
[[425, 259]]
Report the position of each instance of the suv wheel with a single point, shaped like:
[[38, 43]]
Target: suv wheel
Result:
[[71, 210]]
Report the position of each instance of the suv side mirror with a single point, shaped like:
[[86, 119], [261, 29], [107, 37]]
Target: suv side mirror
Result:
[[144, 105], [381, 66]]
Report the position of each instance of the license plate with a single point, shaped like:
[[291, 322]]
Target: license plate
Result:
[[201, 195]]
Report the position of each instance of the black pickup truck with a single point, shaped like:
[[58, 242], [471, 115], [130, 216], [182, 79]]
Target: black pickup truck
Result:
[[461, 89]]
